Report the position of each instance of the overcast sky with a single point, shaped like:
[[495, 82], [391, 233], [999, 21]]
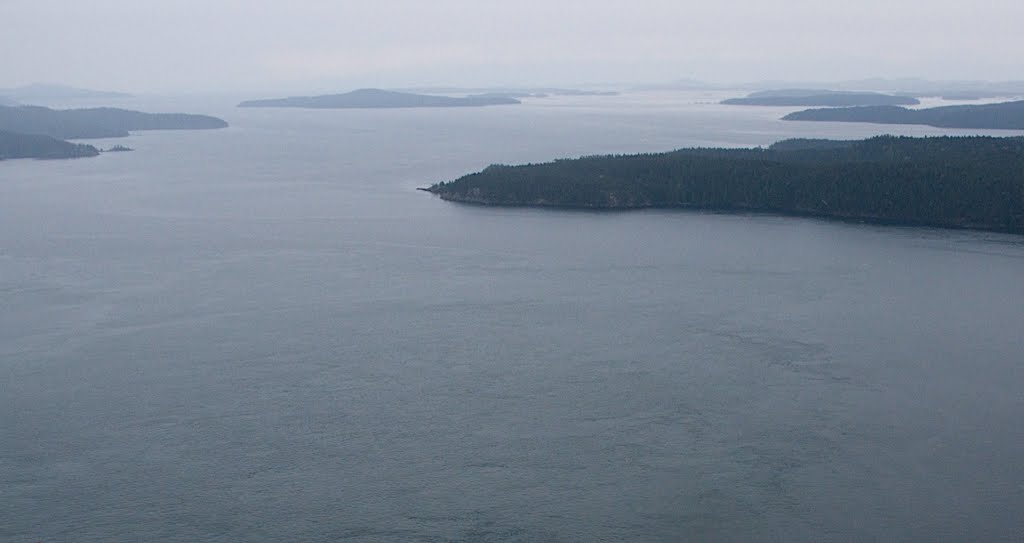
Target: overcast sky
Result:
[[317, 45]]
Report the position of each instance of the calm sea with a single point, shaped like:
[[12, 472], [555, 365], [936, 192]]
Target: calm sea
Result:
[[264, 333]]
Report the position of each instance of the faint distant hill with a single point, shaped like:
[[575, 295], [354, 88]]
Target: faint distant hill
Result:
[[97, 122], [44, 92], [949, 90], [916, 87], [511, 92], [377, 98], [1005, 115], [825, 98], [685, 84], [14, 145]]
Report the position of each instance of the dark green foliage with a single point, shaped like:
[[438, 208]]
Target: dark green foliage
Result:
[[1006, 115], [96, 122], [804, 144], [975, 182], [13, 145], [377, 98]]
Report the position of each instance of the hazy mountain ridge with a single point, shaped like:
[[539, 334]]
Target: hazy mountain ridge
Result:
[[52, 91], [512, 92], [378, 98], [818, 97], [915, 87]]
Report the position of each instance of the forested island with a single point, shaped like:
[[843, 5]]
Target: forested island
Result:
[[825, 98], [38, 132], [1004, 115], [102, 122], [377, 98], [14, 145], [960, 182]]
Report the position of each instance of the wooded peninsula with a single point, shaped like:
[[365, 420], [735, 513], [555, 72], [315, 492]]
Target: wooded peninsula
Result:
[[959, 182], [14, 145], [1001, 116], [100, 122], [39, 132]]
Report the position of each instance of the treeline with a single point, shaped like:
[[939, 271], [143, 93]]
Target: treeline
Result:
[[14, 145], [967, 182], [101, 122]]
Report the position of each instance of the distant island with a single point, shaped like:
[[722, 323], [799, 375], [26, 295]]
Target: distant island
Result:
[[377, 98], [97, 122], [39, 132], [826, 98], [959, 182], [514, 92], [14, 145], [1005, 116], [948, 90], [44, 92]]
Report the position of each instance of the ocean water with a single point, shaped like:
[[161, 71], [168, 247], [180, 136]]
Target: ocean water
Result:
[[264, 333]]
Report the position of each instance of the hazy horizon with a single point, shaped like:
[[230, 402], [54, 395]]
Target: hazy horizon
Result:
[[312, 46]]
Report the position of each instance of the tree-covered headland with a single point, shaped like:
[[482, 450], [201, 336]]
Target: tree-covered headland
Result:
[[963, 182]]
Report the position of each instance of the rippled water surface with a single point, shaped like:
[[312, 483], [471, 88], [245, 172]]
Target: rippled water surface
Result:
[[264, 333]]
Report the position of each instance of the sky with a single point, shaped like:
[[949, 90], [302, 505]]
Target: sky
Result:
[[321, 45]]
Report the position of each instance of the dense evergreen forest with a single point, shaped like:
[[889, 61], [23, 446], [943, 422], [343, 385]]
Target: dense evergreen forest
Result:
[[13, 145], [964, 182], [96, 122], [1005, 115]]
